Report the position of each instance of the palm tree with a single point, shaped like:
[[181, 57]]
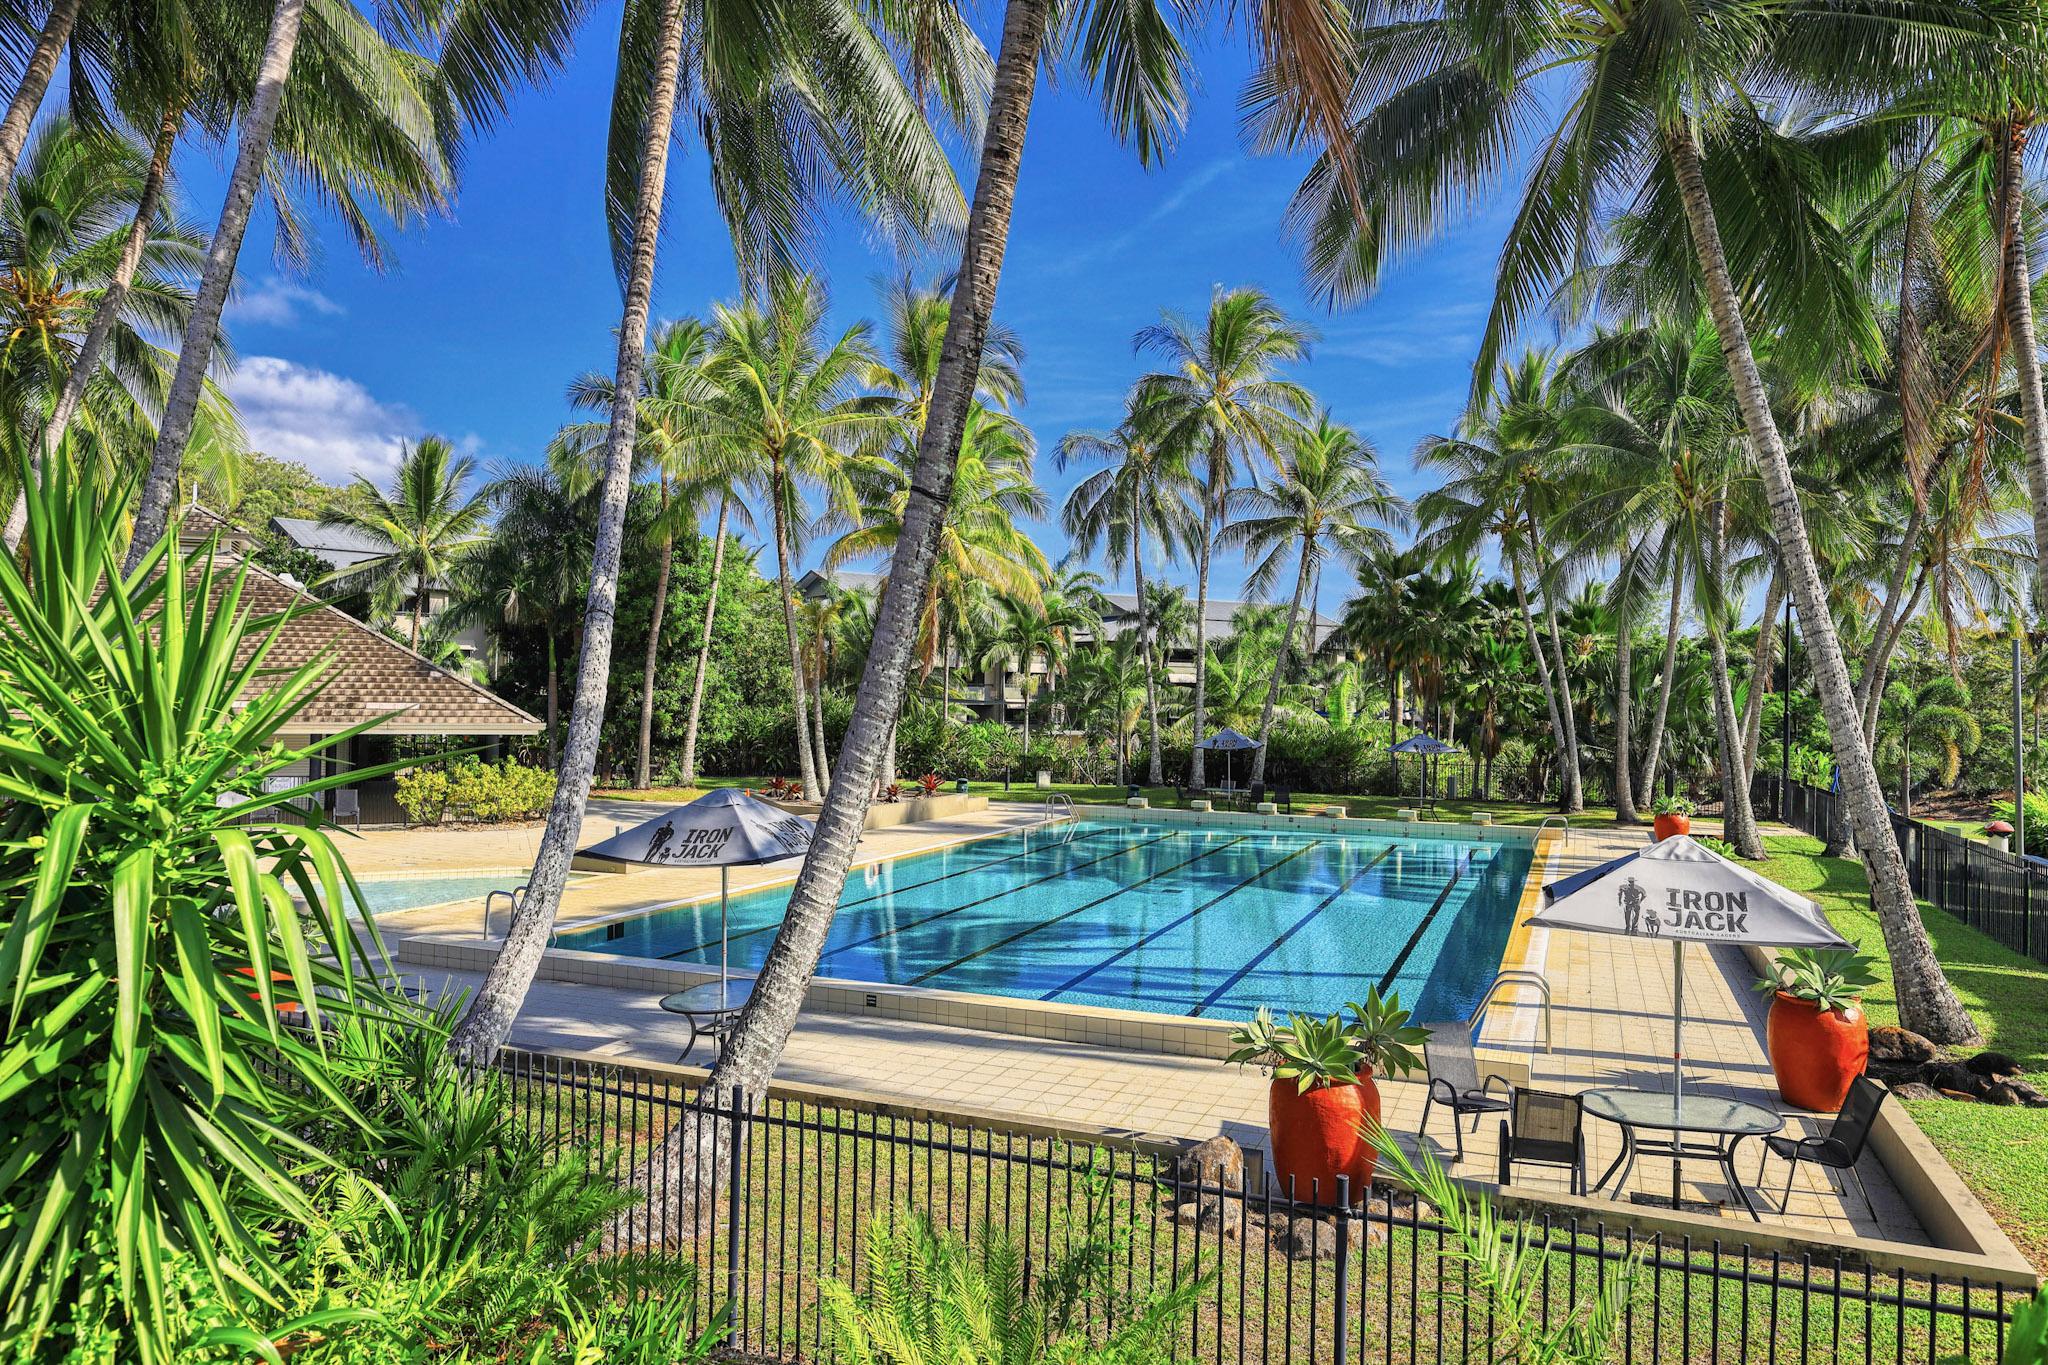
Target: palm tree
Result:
[[1222, 400], [1506, 482], [1327, 503], [1143, 491], [1449, 89], [1023, 637], [1935, 713], [430, 519], [1110, 683]]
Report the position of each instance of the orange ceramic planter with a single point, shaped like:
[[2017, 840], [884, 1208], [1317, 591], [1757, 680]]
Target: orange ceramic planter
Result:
[[1664, 826], [1318, 1135], [1816, 1053]]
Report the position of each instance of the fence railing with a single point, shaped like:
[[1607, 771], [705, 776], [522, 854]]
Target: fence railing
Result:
[[1286, 1279], [2003, 895]]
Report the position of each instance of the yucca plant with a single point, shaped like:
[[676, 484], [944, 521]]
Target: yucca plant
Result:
[[154, 1102], [1827, 978]]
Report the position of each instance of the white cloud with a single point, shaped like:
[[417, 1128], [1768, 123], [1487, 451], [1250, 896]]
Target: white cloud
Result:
[[327, 422], [280, 303], [1398, 338]]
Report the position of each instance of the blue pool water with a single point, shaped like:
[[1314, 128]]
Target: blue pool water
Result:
[[383, 894], [1171, 919]]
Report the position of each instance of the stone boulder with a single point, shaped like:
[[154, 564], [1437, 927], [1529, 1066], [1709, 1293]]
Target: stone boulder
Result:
[[1914, 1090], [1215, 1162], [1211, 1215], [1897, 1046]]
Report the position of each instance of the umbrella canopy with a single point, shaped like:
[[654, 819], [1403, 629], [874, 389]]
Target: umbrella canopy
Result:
[[1227, 740], [1423, 744], [1679, 890], [724, 828]]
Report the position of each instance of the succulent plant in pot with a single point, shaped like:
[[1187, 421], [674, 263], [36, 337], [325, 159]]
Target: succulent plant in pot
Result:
[[1817, 1036], [1672, 815], [1323, 1089]]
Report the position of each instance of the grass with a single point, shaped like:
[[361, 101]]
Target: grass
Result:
[[1363, 807], [2002, 1154]]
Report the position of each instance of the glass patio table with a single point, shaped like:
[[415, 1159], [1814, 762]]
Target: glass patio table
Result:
[[1689, 1128], [710, 1008]]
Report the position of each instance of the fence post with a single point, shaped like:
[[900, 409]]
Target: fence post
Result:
[[732, 1202], [1342, 1271]]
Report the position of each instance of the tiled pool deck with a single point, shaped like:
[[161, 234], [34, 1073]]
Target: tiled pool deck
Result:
[[1611, 1027]]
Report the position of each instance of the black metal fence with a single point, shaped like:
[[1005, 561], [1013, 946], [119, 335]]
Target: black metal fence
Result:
[[2003, 895], [1281, 1280]]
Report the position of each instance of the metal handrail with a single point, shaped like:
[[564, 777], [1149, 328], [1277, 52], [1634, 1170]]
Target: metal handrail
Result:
[[1058, 805], [514, 897], [1513, 977], [1562, 823]]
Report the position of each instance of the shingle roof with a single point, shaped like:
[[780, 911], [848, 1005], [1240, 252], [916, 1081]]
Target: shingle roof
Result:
[[372, 674]]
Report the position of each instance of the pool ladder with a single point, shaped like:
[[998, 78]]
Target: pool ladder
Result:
[[1512, 979], [514, 898], [1060, 806]]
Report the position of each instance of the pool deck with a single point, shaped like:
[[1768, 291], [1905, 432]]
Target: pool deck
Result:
[[1611, 1020]]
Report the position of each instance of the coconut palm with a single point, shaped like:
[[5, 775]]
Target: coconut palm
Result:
[[1935, 714], [1507, 482], [1222, 403], [1445, 99], [1022, 639], [1328, 503], [1141, 494], [1110, 684], [431, 518]]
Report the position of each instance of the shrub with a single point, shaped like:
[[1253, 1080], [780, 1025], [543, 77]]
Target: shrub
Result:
[[469, 789]]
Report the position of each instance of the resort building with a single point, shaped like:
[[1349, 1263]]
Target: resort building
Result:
[[344, 547]]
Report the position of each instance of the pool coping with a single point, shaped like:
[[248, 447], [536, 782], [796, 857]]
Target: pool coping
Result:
[[1131, 1030]]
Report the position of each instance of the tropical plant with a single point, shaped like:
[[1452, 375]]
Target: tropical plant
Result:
[[1505, 1270], [157, 921], [1829, 978], [1937, 714], [1222, 404], [930, 1299], [1327, 503], [1671, 805], [1377, 1040], [430, 519]]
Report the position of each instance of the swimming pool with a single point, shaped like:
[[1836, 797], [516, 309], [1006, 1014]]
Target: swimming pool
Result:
[[1173, 919], [384, 895]]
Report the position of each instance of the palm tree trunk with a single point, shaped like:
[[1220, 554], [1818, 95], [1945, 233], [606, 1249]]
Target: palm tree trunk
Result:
[[1927, 1002], [1647, 784], [1624, 792], [195, 352], [1155, 773], [484, 1028], [1575, 786], [704, 646], [643, 763], [34, 83], [807, 763], [1738, 821], [1557, 733], [1196, 767], [1760, 672], [763, 1028], [2018, 281], [112, 300], [554, 751], [1279, 662], [818, 731]]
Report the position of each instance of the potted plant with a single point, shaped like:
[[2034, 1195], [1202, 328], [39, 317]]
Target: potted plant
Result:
[[1323, 1091], [1817, 1036], [1673, 816], [928, 785]]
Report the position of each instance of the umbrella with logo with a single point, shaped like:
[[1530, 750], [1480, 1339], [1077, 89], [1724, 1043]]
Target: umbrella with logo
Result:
[[1428, 746], [1227, 742], [1678, 890], [725, 828]]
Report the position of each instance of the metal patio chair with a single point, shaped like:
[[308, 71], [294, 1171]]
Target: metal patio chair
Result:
[[1454, 1081], [1839, 1149], [1544, 1129]]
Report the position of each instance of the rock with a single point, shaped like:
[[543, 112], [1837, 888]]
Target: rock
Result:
[[1212, 1214], [1913, 1090], [1304, 1239], [1993, 1064], [1889, 1043], [1953, 1076], [2028, 1095], [1998, 1092], [1959, 1095], [1216, 1161]]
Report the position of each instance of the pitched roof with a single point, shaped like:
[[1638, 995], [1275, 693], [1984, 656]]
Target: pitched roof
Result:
[[371, 674], [340, 546]]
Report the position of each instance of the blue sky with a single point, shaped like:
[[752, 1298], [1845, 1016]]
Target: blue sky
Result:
[[486, 315]]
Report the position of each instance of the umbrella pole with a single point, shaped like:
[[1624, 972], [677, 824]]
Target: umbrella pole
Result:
[[1677, 1020], [724, 947]]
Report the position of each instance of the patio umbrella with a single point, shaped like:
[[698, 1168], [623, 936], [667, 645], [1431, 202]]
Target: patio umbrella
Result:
[[1678, 890], [1227, 742], [1425, 745], [725, 828]]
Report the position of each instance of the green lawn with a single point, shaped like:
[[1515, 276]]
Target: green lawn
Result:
[[2001, 1153]]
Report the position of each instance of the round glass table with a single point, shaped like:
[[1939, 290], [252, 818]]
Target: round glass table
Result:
[[1690, 1128], [710, 1009]]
